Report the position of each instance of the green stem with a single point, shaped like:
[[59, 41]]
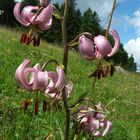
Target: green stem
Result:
[[65, 63], [95, 79], [112, 11], [77, 37]]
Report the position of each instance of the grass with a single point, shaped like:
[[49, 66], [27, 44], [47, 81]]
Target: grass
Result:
[[120, 94]]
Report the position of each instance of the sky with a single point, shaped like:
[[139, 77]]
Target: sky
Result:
[[126, 21]]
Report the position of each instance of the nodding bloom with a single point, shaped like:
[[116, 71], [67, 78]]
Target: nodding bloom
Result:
[[51, 83], [38, 18], [99, 47], [93, 121]]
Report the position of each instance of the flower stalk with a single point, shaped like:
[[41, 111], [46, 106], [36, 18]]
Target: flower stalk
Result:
[[110, 20], [65, 63]]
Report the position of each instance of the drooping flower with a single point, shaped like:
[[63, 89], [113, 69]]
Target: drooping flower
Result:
[[51, 83], [38, 18], [93, 121], [99, 47], [87, 48]]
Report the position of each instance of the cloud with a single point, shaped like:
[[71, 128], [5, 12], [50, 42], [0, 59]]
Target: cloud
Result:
[[135, 21], [133, 47], [102, 7]]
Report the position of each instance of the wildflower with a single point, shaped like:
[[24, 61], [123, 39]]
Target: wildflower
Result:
[[38, 18], [87, 48], [93, 121], [34, 79], [99, 47]]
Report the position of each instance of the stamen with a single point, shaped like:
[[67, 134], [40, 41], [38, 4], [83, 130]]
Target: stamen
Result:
[[112, 70], [28, 40], [102, 72], [44, 106], [38, 41], [106, 71], [34, 41], [36, 107], [22, 38], [26, 104], [99, 74], [25, 38]]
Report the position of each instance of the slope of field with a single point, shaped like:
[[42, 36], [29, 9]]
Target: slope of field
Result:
[[120, 94]]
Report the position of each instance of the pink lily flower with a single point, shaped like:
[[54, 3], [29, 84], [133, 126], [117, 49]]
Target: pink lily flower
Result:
[[58, 95], [93, 122], [34, 79], [98, 48], [35, 17], [87, 49]]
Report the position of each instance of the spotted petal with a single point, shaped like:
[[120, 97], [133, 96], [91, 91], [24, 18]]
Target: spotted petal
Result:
[[21, 74]]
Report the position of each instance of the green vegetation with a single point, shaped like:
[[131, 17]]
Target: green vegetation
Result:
[[119, 93]]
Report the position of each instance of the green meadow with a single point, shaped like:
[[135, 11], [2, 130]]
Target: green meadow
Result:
[[120, 94]]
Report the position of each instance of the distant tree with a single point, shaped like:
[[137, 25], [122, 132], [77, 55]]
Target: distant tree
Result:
[[30, 2], [73, 21], [121, 58], [90, 22], [131, 65], [6, 14]]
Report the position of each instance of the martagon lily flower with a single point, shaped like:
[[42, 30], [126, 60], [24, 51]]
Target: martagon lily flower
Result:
[[36, 17], [51, 83], [99, 47], [93, 121]]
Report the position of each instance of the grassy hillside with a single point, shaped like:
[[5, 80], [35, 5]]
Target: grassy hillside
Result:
[[120, 94]]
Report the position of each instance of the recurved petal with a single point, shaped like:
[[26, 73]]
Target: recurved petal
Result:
[[20, 74], [86, 48], [42, 80], [46, 26], [97, 134], [45, 15], [117, 42], [61, 78], [108, 128], [17, 14], [27, 13], [103, 46], [52, 77], [68, 88], [37, 67]]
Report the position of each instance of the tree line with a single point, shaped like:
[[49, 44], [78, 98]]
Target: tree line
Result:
[[89, 21]]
